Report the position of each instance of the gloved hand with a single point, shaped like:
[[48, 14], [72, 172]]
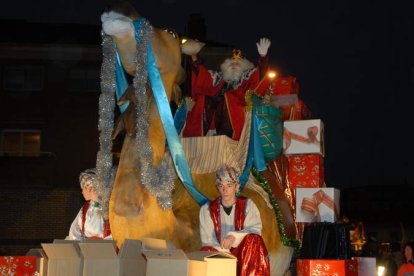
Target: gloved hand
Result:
[[192, 47], [116, 24], [262, 46]]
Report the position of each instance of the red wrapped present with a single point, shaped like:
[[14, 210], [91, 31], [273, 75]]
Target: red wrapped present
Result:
[[286, 85], [18, 265], [305, 267], [306, 171]]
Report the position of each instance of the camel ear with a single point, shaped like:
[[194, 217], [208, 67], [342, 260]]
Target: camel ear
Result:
[[116, 24]]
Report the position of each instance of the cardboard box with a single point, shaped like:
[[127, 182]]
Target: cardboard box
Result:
[[317, 204], [205, 263], [62, 259], [166, 262], [132, 262], [306, 267], [367, 266], [303, 137], [99, 257], [18, 265], [306, 171], [41, 260]]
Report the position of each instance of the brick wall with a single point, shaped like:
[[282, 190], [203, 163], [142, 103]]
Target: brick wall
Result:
[[31, 216]]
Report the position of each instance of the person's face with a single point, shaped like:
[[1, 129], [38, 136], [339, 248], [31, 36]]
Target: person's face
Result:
[[89, 194], [408, 252], [228, 191]]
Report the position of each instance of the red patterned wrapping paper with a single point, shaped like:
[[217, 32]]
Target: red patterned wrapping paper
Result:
[[18, 265], [306, 267], [306, 171], [286, 85]]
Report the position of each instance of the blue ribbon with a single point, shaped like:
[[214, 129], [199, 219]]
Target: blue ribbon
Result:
[[121, 83], [255, 155], [174, 143], [180, 116]]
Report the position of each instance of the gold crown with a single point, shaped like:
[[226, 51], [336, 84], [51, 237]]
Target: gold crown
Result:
[[237, 54]]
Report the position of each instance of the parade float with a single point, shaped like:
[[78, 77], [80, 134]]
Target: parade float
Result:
[[164, 178]]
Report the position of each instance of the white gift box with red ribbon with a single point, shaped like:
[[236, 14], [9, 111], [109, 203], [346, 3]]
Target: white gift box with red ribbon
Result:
[[317, 204], [303, 137]]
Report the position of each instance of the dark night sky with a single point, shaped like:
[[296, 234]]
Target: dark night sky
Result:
[[353, 59]]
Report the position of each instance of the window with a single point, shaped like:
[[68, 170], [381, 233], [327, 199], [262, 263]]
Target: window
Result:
[[23, 78], [85, 79], [20, 142]]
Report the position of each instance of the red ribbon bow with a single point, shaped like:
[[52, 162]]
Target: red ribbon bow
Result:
[[288, 136], [311, 205]]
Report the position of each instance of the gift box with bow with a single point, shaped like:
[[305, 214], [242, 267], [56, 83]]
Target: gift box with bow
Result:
[[317, 204], [303, 137]]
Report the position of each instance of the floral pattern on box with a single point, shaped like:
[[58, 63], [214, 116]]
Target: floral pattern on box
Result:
[[326, 267], [18, 266], [306, 171]]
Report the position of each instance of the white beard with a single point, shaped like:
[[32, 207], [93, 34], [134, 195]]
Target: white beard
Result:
[[233, 69]]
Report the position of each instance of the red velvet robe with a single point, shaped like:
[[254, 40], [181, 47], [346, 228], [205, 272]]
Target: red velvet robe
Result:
[[228, 119]]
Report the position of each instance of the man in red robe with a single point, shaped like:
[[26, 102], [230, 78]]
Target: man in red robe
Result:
[[220, 96], [231, 223]]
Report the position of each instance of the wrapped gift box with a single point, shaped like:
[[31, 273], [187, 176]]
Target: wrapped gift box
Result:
[[306, 171], [286, 85], [317, 204], [306, 267], [303, 137], [367, 266], [18, 265]]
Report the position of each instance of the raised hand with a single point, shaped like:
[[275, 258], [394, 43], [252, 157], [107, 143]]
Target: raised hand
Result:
[[263, 46]]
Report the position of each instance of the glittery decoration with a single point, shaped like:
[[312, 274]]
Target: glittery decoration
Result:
[[287, 242], [158, 180], [104, 169]]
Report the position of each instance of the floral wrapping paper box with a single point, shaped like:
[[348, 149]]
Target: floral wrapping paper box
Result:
[[317, 204], [18, 265], [303, 137], [306, 267], [306, 171]]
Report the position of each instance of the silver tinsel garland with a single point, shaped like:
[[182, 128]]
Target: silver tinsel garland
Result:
[[158, 180], [104, 169]]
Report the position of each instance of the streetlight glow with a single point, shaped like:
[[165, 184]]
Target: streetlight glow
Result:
[[380, 270]]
